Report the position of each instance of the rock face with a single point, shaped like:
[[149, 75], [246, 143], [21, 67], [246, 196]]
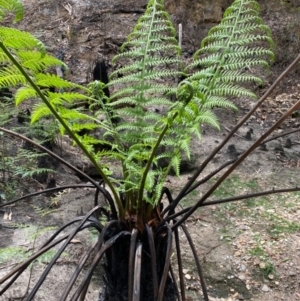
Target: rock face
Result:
[[196, 16], [84, 31]]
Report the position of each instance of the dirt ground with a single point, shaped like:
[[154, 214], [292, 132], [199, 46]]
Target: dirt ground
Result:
[[249, 250]]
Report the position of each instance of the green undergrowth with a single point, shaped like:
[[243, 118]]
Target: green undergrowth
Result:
[[17, 166], [236, 184], [274, 208], [17, 254]]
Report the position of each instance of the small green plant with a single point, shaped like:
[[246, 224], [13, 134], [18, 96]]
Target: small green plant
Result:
[[20, 253], [233, 184], [14, 167], [257, 251], [280, 225], [17, 254], [269, 269], [43, 211], [7, 111]]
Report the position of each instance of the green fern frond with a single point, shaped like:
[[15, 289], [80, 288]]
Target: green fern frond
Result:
[[143, 85], [32, 60], [40, 111], [43, 211], [47, 256], [185, 146], [17, 40], [24, 93], [231, 90], [203, 74], [165, 155], [13, 253], [71, 114], [11, 77], [240, 42], [112, 154], [91, 141], [220, 102], [51, 80], [24, 163], [139, 64], [77, 127], [159, 101], [14, 6], [237, 63], [208, 117], [38, 232], [236, 75], [69, 97], [153, 88], [147, 75], [175, 163], [20, 171], [154, 47], [244, 52]]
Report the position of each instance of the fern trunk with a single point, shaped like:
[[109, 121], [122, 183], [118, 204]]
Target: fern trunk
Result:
[[116, 270]]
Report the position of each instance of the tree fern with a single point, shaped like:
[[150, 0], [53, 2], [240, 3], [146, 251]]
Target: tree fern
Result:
[[157, 119], [148, 123]]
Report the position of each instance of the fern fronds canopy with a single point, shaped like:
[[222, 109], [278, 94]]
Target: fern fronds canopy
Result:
[[151, 117]]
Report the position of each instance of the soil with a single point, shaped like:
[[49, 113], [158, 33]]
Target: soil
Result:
[[248, 250]]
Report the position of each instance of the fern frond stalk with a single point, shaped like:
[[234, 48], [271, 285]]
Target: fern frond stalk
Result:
[[158, 142]]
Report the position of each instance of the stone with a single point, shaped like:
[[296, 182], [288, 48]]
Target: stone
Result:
[[265, 288]]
